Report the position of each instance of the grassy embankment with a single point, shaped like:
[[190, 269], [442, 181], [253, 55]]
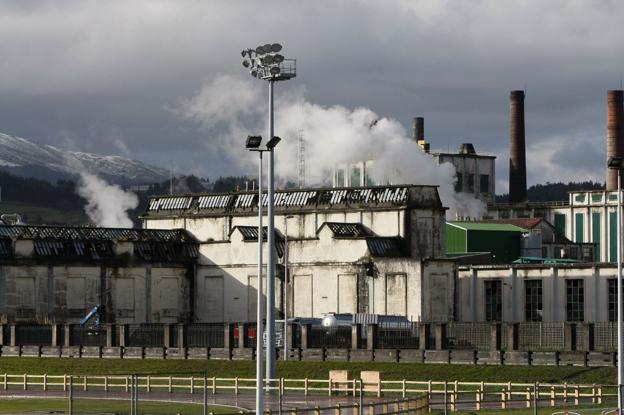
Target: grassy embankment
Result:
[[311, 370]]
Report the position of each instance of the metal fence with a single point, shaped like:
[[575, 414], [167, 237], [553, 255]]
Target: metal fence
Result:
[[145, 335], [33, 335], [330, 337], [605, 336], [474, 336], [398, 336], [83, 336], [205, 335], [539, 336]]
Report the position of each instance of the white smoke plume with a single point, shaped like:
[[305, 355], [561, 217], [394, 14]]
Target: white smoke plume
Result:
[[107, 204], [231, 108]]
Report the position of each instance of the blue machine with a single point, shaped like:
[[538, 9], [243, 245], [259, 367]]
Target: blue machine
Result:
[[96, 312]]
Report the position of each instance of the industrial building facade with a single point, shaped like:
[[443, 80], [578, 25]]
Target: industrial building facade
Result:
[[370, 250]]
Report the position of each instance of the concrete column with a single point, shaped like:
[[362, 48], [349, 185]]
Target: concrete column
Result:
[[290, 336], [305, 336], [181, 328], [424, 335], [109, 334], [495, 336], [512, 336], [242, 333], [122, 334], [55, 335], [2, 335], [13, 341], [228, 336], [167, 335], [587, 329], [440, 336], [371, 336], [356, 330], [568, 336], [68, 332]]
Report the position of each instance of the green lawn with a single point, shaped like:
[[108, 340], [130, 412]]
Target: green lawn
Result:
[[312, 370], [86, 406]]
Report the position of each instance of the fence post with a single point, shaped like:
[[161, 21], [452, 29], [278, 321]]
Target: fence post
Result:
[[228, 335], [553, 396], [25, 381], [214, 385], [105, 383], [356, 334], [85, 383], [424, 335], [148, 386], [166, 335], [576, 395], [338, 411], [371, 336], [512, 336], [45, 382], [454, 397], [192, 384], [503, 399], [236, 386], [122, 334], [440, 336], [600, 395], [242, 335], [495, 336], [109, 334], [305, 336], [305, 386], [170, 386], [568, 336], [479, 397]]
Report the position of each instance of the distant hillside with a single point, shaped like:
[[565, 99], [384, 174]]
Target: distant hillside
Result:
[[551, 192], [29, 159]]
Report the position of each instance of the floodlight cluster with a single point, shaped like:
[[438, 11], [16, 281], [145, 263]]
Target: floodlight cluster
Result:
[[263, 61]]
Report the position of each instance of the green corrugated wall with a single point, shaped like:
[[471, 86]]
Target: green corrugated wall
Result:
[[505, 246], [596, 234], [455, 239], [578, 227]]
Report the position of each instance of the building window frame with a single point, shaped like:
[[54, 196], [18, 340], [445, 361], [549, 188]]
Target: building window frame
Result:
[[493, 295], [575, 299], [533, 300]]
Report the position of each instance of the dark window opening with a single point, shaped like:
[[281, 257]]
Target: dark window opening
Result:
[[533, 300], [575, 300], [493, 300]]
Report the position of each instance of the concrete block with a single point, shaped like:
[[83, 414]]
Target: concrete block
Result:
[[386, 355], [339, 380], [176, 353], [411, 356], [50, 351], [544, 358], [573, 358], [293, 354], [336, 355], [490, 358], [463, 357], [31, 351], [217, 353], [313, 354], [133, 353], [243, 353], [361, 355], [70, 351], [91, 352], [154, 353], [11, 350], [601, 359], [437, 356], [197, 353], [111, 352], [516, 358]]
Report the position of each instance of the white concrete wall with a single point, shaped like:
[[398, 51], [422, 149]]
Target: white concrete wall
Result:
[[471, 291]]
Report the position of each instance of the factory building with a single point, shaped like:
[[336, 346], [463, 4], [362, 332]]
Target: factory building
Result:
[[56, 274], [369, 250]]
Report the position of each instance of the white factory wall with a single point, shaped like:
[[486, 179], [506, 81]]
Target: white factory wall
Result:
[[471, 291]]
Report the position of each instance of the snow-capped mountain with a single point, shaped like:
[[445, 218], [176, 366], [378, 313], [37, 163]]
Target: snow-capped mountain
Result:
[[26, 158]]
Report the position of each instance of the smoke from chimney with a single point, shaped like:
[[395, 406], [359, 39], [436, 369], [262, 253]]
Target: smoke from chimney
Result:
[[517, 157], [615, 132]]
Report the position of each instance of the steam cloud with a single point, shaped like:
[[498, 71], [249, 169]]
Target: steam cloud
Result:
[[230, 108], [107, 204]]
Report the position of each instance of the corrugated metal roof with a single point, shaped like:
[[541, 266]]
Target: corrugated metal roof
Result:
[[250, 234], [85, 234], [347, 230], [385, 246], [364, 196], [481, 226]]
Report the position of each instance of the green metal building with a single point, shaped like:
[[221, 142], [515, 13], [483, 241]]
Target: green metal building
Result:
[[502, 240]]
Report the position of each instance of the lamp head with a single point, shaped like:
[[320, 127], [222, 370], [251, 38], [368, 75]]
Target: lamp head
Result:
[[253, 141], [273, 142]]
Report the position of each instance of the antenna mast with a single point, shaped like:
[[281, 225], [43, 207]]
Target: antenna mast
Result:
[[301, 159]]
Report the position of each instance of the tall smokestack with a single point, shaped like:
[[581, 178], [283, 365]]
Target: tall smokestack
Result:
[[419, 128], [517, 157], [615, 132]]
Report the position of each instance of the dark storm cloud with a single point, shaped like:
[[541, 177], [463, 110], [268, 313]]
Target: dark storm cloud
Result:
[[102, 76]]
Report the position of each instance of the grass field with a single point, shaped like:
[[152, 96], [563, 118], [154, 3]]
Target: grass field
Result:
[[312, 370], [86, 406]]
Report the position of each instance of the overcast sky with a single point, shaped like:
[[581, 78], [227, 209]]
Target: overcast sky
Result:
[[107, 76]]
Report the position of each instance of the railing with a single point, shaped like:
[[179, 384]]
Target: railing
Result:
[[451, 395]]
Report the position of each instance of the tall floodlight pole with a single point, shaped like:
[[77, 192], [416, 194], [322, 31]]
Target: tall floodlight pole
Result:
[[618, 164], [253, 144], [265, 63]]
